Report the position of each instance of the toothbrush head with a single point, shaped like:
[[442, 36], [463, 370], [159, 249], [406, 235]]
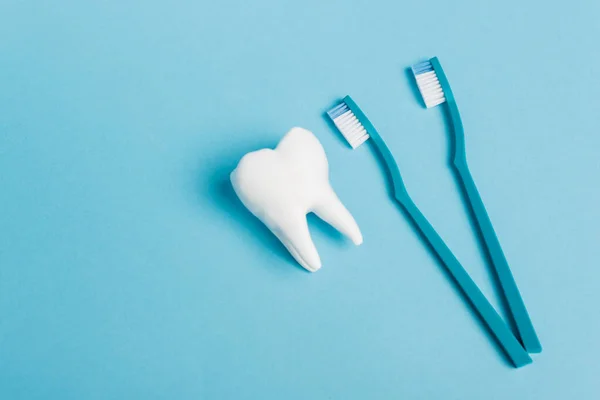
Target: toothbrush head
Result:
[[348, 123], [356, 129], [428, 82]]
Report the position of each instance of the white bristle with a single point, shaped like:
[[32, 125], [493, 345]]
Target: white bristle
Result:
[[350, 126], [430, 89]]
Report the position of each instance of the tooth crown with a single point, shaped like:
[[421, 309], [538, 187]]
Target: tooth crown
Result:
[[281, 186]]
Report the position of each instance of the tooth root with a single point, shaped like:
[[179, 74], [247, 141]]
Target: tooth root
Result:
[[295, 236], [331, 210]]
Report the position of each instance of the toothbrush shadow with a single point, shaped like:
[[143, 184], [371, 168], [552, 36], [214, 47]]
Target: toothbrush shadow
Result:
[[223, 197]]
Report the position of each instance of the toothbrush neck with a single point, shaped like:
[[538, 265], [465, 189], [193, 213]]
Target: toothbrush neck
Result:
[[458, 134], [397, 183]]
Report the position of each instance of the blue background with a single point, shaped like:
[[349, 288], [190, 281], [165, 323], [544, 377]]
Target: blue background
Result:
[[128, 269]]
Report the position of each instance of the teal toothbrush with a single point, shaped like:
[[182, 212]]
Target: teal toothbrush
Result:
[[356, 128], [435, 89]]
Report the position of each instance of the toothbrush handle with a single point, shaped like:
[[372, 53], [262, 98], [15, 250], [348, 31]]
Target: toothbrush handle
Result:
[[507, 281], [482, 306]]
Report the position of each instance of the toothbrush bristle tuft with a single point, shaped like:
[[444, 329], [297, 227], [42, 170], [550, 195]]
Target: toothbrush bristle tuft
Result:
[[347, 123], [428, 84]]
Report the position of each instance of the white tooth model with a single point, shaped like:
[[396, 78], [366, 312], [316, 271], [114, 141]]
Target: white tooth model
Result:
[[281, 186]]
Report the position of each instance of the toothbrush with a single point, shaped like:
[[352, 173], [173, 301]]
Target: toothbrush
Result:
[[435, 89], [357, 129]]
